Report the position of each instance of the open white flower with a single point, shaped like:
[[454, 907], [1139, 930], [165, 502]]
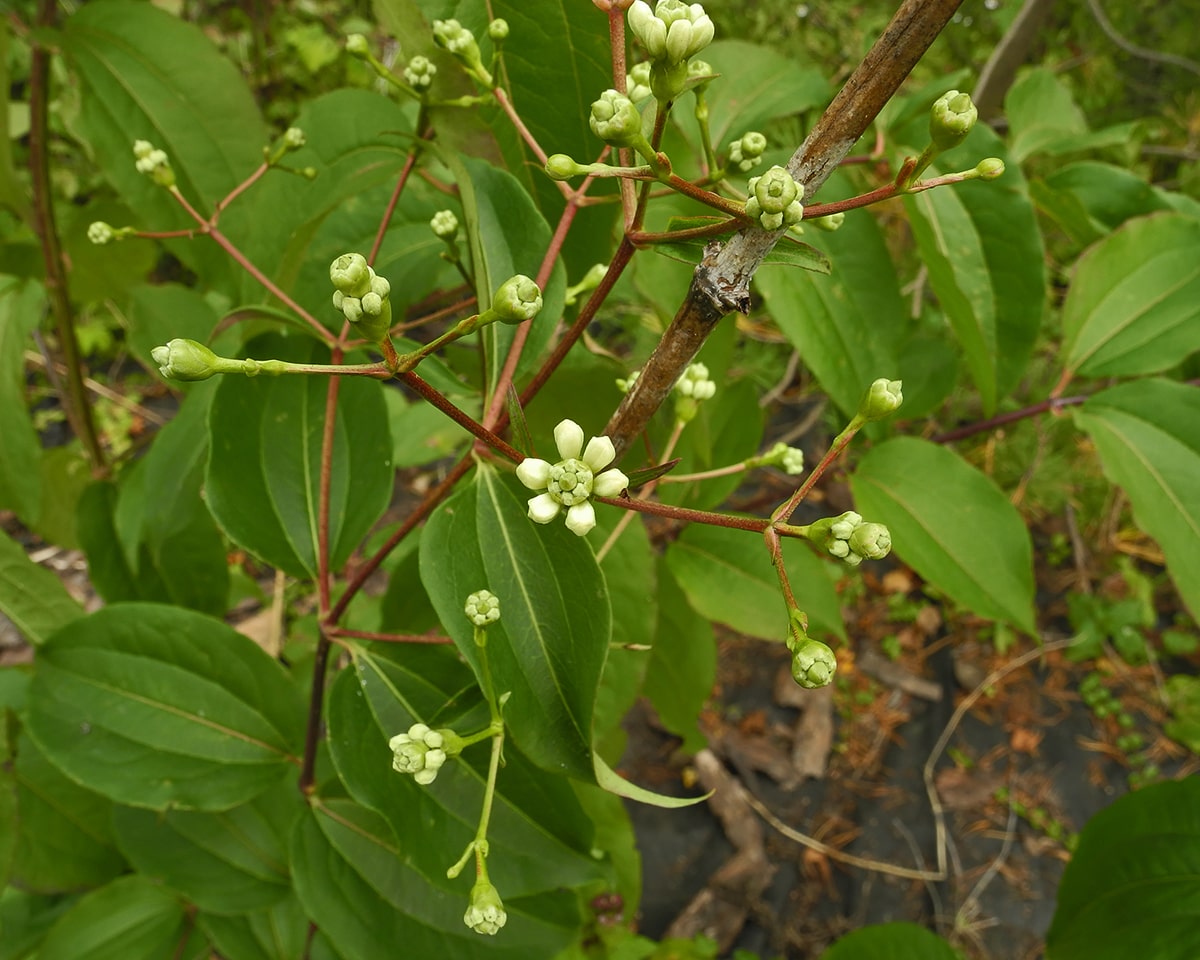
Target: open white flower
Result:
[[573, 480]]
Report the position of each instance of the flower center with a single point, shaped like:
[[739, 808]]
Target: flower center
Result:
[[570, 482]]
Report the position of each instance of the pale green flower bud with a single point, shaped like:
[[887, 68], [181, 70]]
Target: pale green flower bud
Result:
[[351, 274], [615, 120], [561, 167], [673, 32], [746, 153], [830, 223], [871, 540], [357, 46], [518, 299], [372, 304], [701, 70], [498, 29], [695, 382], [637, 82], [789, 459], [185, 360], [883, 397], [293, 138], [813, 664], [951, 119], [990, 169], [153, 163], [590, 281], [460, 41], [626, 384], [444, 225], [793, 461], [775, 199], [483, 608], [352, 308], [100, 233], [419, 73], [832, 534], [486, 911], [422, 752]]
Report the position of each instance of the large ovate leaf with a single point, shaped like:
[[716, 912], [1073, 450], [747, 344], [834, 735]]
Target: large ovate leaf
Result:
[[1110, 195], [147, 75], [21, 306], [131, 917], [354, 880], [1148, 437], [728, 577], [264, 469], [232, 862], [31, 596], [159, 707], [1132, 887], [278, 933], [1134, 302], [983, 250], [951, 524], [896, 941]]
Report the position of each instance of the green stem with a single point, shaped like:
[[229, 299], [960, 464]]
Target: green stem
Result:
[[710, 157], [703, 475]]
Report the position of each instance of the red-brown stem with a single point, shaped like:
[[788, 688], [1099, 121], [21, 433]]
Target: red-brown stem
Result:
[[708, 198], [1052, 404], [785, 512], [391, 207], [237, 191], [522, 333], [424, 508], [428, 638], [775, 549], [75, 403], [753, 524], [616, 36], [468, 423], [316, 701], [717, 229]]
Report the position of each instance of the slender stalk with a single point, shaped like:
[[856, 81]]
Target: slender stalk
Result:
[[784, 511], [74, 402], [753, 524], [465, 421], [237, 191], [316, 701], [386, 219], [324, 485], [428, 638], [646, 491]]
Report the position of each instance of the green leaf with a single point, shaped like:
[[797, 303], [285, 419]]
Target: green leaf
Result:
[[952, 525], [231, 863], [160, 707], [356, 885], [64, 838], [25, 918], [65, 474], [1042, 115], [1148, 437], [20, 450], [540, 839], [162, 312], [847, 325], [264, 469], [1132, 887], [728, 577], [1134, 302], [683, 663], [31, 596], [1110, 195], [145, 74], [279, 933], [983, 250], [896, 941], [130, 918]]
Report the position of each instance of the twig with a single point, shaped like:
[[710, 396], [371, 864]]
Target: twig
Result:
[[1133, 49]]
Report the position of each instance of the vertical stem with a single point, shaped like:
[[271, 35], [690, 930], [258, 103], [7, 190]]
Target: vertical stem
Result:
[[391, 207], [316, 700], [75, 402]]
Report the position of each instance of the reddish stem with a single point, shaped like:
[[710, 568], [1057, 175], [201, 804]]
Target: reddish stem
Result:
[[236, 192], [468, 423], [316, 700], [391, 207], [428, 638], [753, 524]]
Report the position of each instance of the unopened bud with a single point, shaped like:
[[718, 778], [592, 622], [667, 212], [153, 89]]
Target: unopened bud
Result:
[[883, 397], [951, 119]]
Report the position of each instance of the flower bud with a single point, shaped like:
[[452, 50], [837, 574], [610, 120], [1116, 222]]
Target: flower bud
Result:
[[637, 82], [775, 199], [871, 540], [486, 911], [951, 119], [422, 751], [518, 299], [832, 534], [813, 664], [419, 73], [746, 153], [561, 167], [460, 41], [830, 223], [357, 46], [498, 29], [185, 360], [626, 384], [673, 32], [444, 225], [100, 233], [695, 382], [883, 397], [293, 138], [990, 169], [615, 120], [154, 163], [351, 274], [483, 608]]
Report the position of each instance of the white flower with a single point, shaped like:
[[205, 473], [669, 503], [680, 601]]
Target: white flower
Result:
[[486, 912], [673, 31], [573, 480], [418, 752]]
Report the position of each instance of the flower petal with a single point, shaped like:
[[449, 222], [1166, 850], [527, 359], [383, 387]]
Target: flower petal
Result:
[[599, 454], [568, 437], [543, 509], [534, 473], [581, 518], [610, 483]]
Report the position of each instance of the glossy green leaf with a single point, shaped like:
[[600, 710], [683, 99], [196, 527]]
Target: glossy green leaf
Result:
[[231, 863], [540, 839], [1110, 195], [130, 918], [1148, 437], [355, 883], [21, 307], [952, 525], [1132, 887], [65, 474], [162, 312], [112, 570], [1042, 114], [983, 250], [896, 941], [846, 326], [31, 596], [728, 577], [159, 707], [64, 838], [278, 933], [25, 919], [264, 468], [683, 663], [145, 74], [1134, 302]]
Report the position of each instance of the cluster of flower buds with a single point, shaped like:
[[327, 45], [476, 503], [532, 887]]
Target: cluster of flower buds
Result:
[[483, 608], [851, 539], [444, 225], [486, 911], [883, 397], [153, 163], [693, 385], [637, 82], [813, 662], [615, 120], [100, 233], [419, 73], [422, 752], [672, 33], [775, 199], [746, 154], [361, 295], [789, 459], [453, 37], [570, 483]]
